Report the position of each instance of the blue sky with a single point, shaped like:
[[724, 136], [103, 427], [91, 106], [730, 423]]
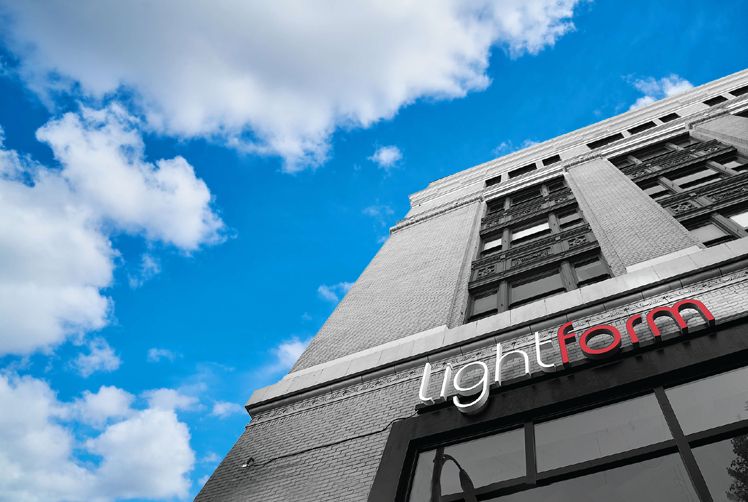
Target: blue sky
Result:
[[187, 195]]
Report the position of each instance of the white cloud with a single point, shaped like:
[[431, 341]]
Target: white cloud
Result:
[[386, 157], [507, 147], [273, 77], [145, 453], [101, 357], [284, 355], [149, 268], [656, 89], [223, 409], [156, 354], [96, 408], [333, 292], [55, 253], [170, 399]]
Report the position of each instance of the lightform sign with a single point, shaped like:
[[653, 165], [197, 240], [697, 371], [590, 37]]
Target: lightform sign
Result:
[[472, 398]]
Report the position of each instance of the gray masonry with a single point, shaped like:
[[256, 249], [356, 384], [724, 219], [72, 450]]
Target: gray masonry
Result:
[[319, 433]]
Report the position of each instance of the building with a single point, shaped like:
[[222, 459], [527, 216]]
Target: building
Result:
[[568, 322]]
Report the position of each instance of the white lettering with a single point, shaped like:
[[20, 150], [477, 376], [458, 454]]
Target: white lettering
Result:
[[500, 359], [478, 403], [544, 366]]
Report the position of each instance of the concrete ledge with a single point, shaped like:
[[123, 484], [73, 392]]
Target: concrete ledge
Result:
[[437, 342]]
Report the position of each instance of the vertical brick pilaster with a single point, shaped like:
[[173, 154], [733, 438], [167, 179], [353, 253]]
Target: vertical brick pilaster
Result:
[[630, 226]]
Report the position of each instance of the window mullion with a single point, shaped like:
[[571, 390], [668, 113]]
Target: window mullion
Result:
[[686, 455], [531, 461]]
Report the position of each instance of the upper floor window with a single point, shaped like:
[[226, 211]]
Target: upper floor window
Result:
[[521, 171], [715, 100]]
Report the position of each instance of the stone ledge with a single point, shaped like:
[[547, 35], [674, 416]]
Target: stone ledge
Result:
[[439, 340]]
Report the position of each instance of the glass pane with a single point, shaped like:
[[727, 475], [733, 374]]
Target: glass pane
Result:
[[709, 232], [525, 195], [569, 219], [741, 219], [711, 402], [485, 303], [555, 185], [591, 271], [662, 479], [535, 230], [492, 244], [538, 286], [693, 179], [603, 431], [725, 468], [486, 460]]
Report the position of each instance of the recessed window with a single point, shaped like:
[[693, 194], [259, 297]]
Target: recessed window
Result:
[[492, 245], [604, 141], [737, 163], [669, 117], [740, 91], [590, 271], [710, 234], [683, 140], [694, 177], [551, 160], [656, 191], [522, 170], [530, 232], [555, 185], [569, 219], [495, 205], [525, 195], [486, 304], [715, 100], [539, 286], [741, 218], [493, 181], [642, 127]]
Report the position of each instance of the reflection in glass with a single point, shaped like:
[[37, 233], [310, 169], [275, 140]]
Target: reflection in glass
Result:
[[711, 402], [725, 468], [658, 480], [600, 432], [485, 460]]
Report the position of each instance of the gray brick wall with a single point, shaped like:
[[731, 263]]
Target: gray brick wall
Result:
[[411, 285], [328, 447], [630, 226]]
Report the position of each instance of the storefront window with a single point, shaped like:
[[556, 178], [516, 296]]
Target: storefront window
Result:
[[724, 466], [485, 460], [710, 402], [656, 480], [600, 432]]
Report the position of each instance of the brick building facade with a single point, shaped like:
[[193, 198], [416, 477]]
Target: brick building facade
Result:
[[638, 212]]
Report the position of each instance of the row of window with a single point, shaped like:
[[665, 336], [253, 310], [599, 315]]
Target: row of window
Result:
[[635, 450], [511, 237]]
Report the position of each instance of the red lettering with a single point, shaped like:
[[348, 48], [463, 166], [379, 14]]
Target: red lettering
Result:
[[564, 335], [631, 323], [603, 329], [674, 313]]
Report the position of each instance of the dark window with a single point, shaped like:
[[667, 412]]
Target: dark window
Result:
[[694, 177], [544, 284], [743, 113], [656, 191], [525, 195], [493, 181], [724, 465], [600, 432], [590, 271], [485, 304], [487, 460], [715, 100], [741, 218], [651, 152], [495, 205], [551, 160], [659, 479], [521, 171], [530, 231], [669, 117], [710, 234], [683, 140], [711, 402], [736, 163], [642, 127], [740, 91], [604, 141], [569, 219], [492, 244], [555, 185]]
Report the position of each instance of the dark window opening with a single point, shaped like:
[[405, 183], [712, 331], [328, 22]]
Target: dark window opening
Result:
[[656, 191], [491, 244], [591, 270], [525, 195], [715, 100], [485, 305], [551, 160], [710, 234], [604, 141], [569, 219], [642, 127], [495, 205], [740, 91], [736, 163], [522, 170], [555, 185], [493, 181], [691, 178], [669, 117], [545, 284], [530, 232]]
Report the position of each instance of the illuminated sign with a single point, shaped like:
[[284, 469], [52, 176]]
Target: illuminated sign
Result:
[[472, 398]]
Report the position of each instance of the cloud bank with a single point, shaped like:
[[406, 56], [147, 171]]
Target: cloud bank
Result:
[[272, 77]]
